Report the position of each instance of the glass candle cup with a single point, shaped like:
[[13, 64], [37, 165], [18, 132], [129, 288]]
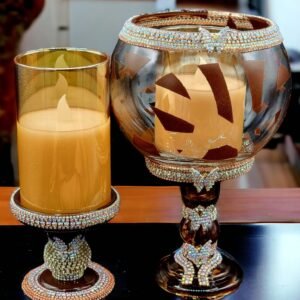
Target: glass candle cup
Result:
[[63, 130]]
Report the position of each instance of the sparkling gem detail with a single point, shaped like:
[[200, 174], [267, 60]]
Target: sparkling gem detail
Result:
[[63, 222], [207, 180], [147, 31], [204, 258], [184, 173], [67, 262], [103, 286], [200, 216]]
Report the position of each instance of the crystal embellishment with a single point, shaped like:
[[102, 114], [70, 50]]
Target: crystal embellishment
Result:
[[63, 222], [35, 290], [207, 181], [200, 216], [148, 31], [67, 262], [201, 259], [186, 173]]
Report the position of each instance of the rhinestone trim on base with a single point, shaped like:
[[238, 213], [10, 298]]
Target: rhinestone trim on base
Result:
[[67, 262], [34, 290], [67, 221], [249, 33], [184, 173], [200, 216], [204, 259], [200, 260]]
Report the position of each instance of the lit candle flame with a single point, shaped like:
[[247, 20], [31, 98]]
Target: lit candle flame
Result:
[[64, 113]]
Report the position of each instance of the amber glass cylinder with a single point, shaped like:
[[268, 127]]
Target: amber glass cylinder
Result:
[[63, 129]]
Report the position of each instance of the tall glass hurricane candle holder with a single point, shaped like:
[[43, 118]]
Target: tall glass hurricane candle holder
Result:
[[199, 93], [63, 130]]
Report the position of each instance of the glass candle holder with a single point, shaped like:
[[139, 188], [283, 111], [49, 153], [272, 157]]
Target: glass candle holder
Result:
[[199, 93], [63, 129]]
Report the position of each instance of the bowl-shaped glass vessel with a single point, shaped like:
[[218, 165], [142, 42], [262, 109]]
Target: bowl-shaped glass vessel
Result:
[[199, 93], [199, 89]]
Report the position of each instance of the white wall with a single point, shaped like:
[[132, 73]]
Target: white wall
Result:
[[93, 24], [44, 32], [286, 13], [96, 24]]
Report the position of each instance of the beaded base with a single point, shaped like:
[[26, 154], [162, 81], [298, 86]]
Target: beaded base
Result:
[[224, 279], [33, 288]]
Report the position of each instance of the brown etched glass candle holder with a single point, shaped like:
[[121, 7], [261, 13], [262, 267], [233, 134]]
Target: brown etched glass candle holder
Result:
[[199, 93], [63, 130]]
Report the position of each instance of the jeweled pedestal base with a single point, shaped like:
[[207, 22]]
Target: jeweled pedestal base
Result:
[[96, 283], [224, 279]]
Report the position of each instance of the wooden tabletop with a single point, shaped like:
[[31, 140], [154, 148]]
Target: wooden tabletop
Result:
[[140, 204]]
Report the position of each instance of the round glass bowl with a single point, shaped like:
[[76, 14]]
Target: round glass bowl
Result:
[[198, 87]]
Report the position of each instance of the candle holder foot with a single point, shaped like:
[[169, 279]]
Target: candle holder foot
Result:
[[96, 283], [68, 272], [224, 279], [199, 269]]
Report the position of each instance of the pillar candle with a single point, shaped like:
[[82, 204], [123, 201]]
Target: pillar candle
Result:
[[64, 157], [210, 129]]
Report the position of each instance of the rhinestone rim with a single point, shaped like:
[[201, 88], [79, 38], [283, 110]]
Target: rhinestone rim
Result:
[[103, 286], [67, 221], [143, 30], [185, 173]]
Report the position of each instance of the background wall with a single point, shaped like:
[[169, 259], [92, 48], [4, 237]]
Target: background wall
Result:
[[93, 24], [287, 15], [96, 24]]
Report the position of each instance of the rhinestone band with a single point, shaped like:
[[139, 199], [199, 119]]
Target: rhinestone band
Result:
[[200, 216], [208, 180], [145, 31], [184, 173], [67, 262], [34, 290], [64, 222], [204, 258]]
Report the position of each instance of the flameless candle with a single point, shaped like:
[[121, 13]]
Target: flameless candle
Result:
[[63, 134], [64, 159], [210, 129], [63, 131]]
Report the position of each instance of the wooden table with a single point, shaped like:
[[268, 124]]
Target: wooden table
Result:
[[268, 253], [140, 204]]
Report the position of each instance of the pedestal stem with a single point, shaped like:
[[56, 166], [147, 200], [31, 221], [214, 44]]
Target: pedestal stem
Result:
[[199, 229], [198, 269], [67, 257]]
